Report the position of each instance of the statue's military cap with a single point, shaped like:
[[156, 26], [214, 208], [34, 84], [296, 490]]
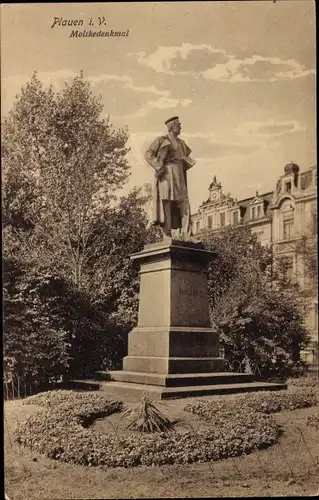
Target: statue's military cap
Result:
[[171, 119]]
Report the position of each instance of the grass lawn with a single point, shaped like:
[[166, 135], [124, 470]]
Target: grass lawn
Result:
[[291, 467]]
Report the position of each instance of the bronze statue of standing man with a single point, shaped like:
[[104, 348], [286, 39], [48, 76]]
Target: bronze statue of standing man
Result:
[[169, 156]]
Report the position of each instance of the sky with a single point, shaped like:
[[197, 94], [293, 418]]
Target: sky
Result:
[[239, 74]]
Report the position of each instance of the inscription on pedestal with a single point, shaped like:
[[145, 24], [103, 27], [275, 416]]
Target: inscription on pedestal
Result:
[[192, 292]]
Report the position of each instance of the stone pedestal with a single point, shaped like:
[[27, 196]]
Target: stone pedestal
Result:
[[173, 335]]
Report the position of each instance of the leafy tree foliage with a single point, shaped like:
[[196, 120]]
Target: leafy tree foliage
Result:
[[71, 290], [253, 306], [35, 343], [62, 164]]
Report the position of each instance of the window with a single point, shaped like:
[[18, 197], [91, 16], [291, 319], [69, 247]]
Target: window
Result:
[[235, 218], [288, 229], [210, 222], [258, 212], [314, 223], [197, 227], [288, 187], [222, 219], [253, 213]]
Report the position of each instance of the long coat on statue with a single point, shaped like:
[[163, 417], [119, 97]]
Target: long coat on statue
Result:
[[157, 155]]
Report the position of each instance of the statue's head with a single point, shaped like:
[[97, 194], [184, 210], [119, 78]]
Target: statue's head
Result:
[[174, 125]]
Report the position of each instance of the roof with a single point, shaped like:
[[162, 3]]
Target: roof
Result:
[[291, 168], [246, 201], [244, 204], [306, 179]]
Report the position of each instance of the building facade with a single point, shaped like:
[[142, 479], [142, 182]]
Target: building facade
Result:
[[282, 219]]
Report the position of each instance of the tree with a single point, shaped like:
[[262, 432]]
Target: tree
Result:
[[253, 306], [73, 295], [62, 165]]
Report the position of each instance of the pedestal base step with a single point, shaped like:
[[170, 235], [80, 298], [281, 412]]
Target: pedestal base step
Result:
[[181, 379], [189, 391], [172, 365], [132, 391]]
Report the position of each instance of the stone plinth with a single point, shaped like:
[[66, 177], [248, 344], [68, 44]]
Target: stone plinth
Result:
[[173, 334]]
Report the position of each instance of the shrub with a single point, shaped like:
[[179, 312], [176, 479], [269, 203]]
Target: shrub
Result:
[[254, 309], [60, 432]]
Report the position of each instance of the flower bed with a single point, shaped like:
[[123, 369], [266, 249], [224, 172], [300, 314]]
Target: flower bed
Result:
[[59, 431], [54, 398], [273, 402], [310, 380], [261, 402]]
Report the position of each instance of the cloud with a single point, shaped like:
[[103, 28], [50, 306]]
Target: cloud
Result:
[[162, 59], [149, 90], [127, 83], [271, 128], [160, 103], [256, 69], [217, 65], [162, 98], [207, 146]]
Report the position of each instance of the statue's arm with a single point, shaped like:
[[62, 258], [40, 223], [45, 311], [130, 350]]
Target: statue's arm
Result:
[[151, 154], [189, 162]]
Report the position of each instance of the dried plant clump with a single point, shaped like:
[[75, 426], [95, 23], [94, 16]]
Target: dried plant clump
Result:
[[146, 417]]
